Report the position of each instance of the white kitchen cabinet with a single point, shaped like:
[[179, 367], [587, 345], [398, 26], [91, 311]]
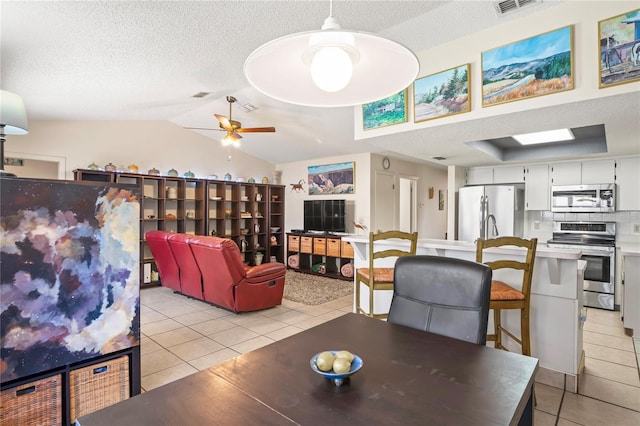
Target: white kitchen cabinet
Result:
[[536, 187], [479, 176], [508, 174], [598, 171], [565, 173], [631, 293], [628, 183]]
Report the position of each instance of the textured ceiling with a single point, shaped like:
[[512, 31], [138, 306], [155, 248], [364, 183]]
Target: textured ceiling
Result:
[[143, 60]]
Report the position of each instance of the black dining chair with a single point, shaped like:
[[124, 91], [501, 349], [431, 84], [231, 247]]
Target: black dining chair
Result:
[[442, 295]]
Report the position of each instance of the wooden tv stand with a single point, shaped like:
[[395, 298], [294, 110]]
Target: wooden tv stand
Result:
[[314, 249]]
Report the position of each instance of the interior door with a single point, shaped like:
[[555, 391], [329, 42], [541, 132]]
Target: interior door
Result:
[[384, 215], [407, 205]]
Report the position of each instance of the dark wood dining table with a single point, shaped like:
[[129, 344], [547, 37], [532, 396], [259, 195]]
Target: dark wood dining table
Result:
[[408, 377]]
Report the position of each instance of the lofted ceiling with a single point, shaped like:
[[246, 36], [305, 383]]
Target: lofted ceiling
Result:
[[144, 60]]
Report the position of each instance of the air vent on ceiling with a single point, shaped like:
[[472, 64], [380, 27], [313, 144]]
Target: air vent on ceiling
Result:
[[437, 157], [506, 6], [248, 107], [201, 94]]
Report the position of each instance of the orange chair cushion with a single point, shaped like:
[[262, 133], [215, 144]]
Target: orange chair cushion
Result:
[[502, 291], [380, 275]]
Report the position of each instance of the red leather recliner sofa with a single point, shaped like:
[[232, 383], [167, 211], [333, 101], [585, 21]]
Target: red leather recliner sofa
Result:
[[211, 269]]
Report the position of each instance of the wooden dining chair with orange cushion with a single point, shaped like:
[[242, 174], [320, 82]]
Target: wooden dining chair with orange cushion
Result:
[[381, 278], [503, 295]]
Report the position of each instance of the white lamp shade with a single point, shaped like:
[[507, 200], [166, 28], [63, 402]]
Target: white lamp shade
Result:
[[13, 115], [279, 70]]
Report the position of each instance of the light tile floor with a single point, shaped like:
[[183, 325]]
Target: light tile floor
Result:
[[181, 336]]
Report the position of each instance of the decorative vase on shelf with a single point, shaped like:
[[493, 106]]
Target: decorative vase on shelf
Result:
[[132, 168], [154, 171], [110, 167], [227, 176], [172, 172], [93, 166], [276, 177], [258, 258], [213, 177], [265, 179], [251, 180], [189, 174], [244, 245], [172, 192]]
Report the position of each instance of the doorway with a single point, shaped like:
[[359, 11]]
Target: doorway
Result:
[[407, 204], [35, 166]]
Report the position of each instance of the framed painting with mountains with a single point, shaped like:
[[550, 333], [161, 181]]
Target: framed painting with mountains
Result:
[[536, 66]]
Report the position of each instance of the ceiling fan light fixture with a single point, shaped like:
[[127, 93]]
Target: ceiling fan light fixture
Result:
[[331, 67]]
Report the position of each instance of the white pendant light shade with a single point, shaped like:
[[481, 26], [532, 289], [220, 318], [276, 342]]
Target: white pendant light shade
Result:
[[290, 68]]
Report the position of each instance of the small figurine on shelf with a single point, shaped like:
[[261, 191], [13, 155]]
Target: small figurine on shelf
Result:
[[244, 245], [265, 179]]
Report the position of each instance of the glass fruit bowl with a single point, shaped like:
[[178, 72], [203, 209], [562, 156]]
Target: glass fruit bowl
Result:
[[336, 378]]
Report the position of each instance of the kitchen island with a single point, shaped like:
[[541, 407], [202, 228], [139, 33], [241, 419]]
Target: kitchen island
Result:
[[556, 302]]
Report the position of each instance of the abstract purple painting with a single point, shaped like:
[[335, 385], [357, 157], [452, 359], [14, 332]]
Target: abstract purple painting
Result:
[[69, 268]]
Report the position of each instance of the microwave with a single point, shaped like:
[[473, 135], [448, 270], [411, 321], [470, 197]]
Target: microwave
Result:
[[584, 198]]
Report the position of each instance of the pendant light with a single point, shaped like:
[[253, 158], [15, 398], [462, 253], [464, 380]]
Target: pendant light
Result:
[[331, 67]]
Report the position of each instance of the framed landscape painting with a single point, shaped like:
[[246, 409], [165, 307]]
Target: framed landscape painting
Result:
[[331, 179], [385, 112], [442, 94], [619, 49], [537, 66]]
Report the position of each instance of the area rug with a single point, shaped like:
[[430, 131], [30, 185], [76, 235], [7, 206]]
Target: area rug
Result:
[[314, 289]]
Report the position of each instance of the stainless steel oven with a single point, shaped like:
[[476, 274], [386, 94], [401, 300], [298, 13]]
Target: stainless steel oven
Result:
[[597, 242]]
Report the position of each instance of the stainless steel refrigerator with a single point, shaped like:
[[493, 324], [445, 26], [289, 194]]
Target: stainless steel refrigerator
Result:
[[490, 211]]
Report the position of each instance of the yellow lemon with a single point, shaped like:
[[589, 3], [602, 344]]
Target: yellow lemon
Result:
[[346, 355], [341, 365], [324, 362]]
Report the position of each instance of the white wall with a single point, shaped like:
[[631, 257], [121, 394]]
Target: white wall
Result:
[[292, 173], [584, 15], [147, 144]]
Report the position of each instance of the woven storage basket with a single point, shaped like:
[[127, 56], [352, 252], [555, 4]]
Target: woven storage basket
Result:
[[98, 386], [35, 403]]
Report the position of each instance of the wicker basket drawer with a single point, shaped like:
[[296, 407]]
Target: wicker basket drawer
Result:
[[34, 403], [294, 243], [320, 246], [306, 244], [333, 247], [347, 250], [98, 386]]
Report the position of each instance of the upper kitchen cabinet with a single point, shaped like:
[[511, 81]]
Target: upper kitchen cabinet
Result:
[[536, 188], [509, 174], [565, 173], [479, 176], [628, 183], [599, 171], [583, 172]]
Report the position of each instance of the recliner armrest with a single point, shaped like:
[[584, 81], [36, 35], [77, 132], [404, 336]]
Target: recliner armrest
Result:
[[265, 271]]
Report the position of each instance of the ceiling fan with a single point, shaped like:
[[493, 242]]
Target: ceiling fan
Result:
[[233, 127]]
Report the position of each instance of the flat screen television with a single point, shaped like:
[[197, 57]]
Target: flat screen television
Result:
[[325, 215]]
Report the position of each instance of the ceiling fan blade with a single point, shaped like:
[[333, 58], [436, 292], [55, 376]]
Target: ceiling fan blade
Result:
[[255, 129], [202, 128], [224, 122], [234, 135]]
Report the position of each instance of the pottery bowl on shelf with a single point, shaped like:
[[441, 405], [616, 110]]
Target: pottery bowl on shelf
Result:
[[274, 228], [244, 231]]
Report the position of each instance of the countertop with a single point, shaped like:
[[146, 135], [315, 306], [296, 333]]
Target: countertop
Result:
[[541, 251], [629, 248]]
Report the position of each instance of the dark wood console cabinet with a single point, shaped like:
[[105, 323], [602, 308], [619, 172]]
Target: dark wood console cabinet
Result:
[[320, 254]]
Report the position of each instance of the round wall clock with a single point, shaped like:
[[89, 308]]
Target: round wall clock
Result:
[[386, 163]]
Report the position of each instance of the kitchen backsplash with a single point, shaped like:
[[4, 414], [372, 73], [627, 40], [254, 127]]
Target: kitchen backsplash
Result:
[[539, 224]]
